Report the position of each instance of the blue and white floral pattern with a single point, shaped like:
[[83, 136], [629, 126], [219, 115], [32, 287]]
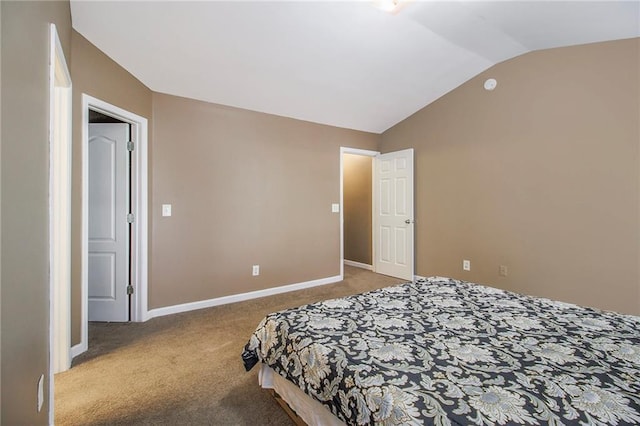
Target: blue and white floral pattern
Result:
[[441, 351]]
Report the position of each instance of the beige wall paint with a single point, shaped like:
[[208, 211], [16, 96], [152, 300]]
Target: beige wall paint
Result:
[[357, 189], [289, 166], [540, 175], [25, 203], [246, 188], [97, 75]]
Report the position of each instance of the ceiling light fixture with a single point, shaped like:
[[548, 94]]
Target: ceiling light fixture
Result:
[[390, 6]]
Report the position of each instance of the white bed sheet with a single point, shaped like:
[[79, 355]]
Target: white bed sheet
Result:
[[308, 409]]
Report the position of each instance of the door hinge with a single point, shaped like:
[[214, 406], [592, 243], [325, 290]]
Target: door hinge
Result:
[[130, 146], [130, 218], [129, 289]]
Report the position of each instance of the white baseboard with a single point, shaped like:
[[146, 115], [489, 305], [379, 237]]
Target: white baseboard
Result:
[[78, 349], [185, 307], [358, 265]]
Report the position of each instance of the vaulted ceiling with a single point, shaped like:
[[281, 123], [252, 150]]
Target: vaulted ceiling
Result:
[[346, 64]]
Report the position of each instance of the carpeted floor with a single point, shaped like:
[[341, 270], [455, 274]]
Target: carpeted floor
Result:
[[183, 369]]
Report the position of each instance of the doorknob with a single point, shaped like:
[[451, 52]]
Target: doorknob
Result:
[[408, 221]]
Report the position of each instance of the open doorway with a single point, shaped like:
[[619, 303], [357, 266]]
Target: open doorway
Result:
[[134, 287], [357, 207], [356, 191], [383, 242]]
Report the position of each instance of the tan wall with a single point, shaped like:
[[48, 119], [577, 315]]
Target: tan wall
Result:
[[357, 207], [246, 188], [540, 175], [25, 203], [97, 75]]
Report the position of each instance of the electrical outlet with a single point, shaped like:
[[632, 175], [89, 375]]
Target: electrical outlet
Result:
[[256, 270], [503, 270], [40, 392], [466, 265]]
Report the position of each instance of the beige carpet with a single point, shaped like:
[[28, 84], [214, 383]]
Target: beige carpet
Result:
[[183, 369]]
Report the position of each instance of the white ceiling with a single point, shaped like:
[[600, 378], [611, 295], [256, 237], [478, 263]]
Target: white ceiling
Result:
[[346, 64]]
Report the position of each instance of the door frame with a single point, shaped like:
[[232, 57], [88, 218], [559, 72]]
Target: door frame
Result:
[[139, 184], [364, 153], [60, 143]]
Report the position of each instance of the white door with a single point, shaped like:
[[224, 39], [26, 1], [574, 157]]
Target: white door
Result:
[[393, 214], [108, 264]]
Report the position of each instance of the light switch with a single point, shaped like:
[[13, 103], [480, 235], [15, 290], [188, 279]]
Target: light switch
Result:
[[166, 210], [335, 208]]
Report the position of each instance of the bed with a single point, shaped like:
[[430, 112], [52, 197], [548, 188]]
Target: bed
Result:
[[442, 351]]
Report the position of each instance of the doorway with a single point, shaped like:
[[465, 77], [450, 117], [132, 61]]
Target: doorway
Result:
[[344, 151], [137, 240], [391, 228], [358, 210]]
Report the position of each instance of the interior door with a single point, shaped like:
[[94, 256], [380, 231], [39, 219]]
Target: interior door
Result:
[[108, 227], [393, 214]]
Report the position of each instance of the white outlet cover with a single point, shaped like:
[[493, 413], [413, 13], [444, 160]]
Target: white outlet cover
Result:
[[466, 265], [166, 210], [335, 208], [40, 392]]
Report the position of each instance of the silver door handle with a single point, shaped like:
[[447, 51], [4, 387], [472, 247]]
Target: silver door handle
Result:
[[408, 221]]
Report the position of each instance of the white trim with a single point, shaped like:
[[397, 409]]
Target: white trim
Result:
[[355, 151], [84, 230], [358, 264], [185, 307], [77, 350], [59, 214], [140, 185], [358, 151]]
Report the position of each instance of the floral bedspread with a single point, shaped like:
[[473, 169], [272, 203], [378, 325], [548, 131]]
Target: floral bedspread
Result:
[[440, 351]]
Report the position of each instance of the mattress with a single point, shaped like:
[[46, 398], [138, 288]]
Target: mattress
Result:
[[443, 351]]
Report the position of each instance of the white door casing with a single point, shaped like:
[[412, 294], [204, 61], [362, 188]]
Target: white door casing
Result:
[[60, 205], [60, 87], [108, 257], [139, 238], [393, 214]]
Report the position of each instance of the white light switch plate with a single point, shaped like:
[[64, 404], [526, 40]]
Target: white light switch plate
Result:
[[166, 210], [335, 208]]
